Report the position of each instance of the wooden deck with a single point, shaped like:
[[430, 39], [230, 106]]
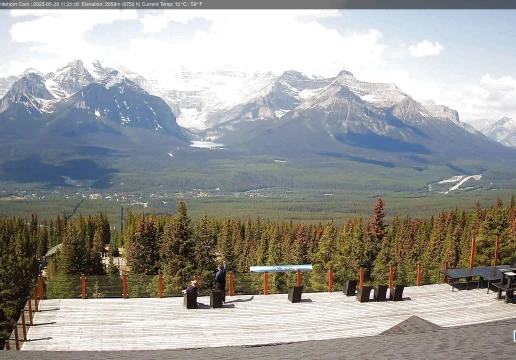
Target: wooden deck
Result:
[[152, 324]]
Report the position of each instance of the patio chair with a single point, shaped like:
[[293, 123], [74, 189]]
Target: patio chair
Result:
[[190, 300], [294, 294], [364, 294], [350, 289], [380, 293], [396, 293]]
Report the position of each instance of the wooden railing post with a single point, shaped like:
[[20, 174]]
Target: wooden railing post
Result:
[[298, 278], [419, 271], [31, 322], [16, 337], [330, 280], [361, 281], [83, 286], [445, 269], [160, 286], [36, 300], [124, 286], [266, 283], [472, 256], [24, 327], [231, 284], [391, 276], [497, 245], [7, 345], [40, 286]]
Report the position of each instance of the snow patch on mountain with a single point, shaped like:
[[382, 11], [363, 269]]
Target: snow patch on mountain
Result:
[[459, 180], [113, 79], [53, 87], [503, 131]]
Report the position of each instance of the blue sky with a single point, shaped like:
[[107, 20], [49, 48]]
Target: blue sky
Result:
[[462, 59]]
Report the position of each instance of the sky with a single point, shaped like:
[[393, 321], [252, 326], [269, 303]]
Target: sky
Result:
[[461, 59]]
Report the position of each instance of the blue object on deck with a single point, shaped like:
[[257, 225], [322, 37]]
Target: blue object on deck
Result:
[[280, 268]]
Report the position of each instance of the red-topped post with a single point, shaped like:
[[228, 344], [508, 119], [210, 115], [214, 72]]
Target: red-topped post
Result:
[[31, 322], [24, 327], [16, 337], [497, 245], [362, 275], [391, 276], [196, 278], [36, 300], [40, 286], [472, 256], [160, 286], [7, 345], [266, 283], [419, 271], [330, 280], [445, 269], [83, 286], [231, 284], [124, 286], [298, 278]]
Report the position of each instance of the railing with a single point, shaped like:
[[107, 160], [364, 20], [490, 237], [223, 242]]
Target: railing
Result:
[[159, 286], [25, 321]]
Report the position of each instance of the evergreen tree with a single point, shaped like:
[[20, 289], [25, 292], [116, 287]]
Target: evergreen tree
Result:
[[376, 230], [144, 251]]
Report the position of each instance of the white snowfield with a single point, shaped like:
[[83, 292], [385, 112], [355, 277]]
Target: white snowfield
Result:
[[458, 179]]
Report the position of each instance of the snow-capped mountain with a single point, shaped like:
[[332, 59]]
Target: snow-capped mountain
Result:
[[445, 113], [29, 91], [72, 102], [195, 96], [503, 131], [116, 101], [480, 124], [381, 95], [68, 79]]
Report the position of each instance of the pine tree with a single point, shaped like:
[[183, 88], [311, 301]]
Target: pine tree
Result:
[[144, 252], [376, 230]]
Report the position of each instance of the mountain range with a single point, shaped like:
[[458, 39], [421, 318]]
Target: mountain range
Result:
[[94, 104], [503, 130]]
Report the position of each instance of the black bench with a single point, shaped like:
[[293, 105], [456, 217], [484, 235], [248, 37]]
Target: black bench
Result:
[[396, 293], [190, 300], [350, 289], [216, 299], [294, 294], [380, 293], [364, 294]]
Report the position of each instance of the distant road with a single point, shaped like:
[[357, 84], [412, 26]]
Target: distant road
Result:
[[482, 341]]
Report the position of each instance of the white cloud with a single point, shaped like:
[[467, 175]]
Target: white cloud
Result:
[[490, 98], [272, 40], [425, 48], [275, 40], [61, 32]]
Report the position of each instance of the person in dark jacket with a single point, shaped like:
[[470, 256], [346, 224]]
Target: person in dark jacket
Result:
[[192, 289], [220, 279]]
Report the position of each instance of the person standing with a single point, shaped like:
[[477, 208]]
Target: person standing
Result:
[[220, 279]]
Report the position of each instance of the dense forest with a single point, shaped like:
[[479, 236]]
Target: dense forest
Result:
[[177, 247]]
